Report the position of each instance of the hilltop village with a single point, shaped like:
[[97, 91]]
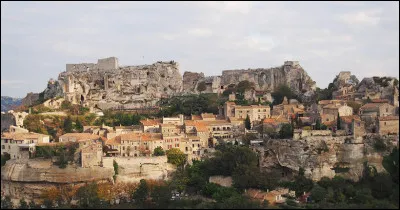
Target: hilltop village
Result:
[[291, 126]]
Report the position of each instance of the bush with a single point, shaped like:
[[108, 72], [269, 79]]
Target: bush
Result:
[[4, 158], [158, 151]]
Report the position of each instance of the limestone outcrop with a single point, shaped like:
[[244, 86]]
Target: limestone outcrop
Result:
[[110, 86], [106, 85], [291, 74], [32, 178], [53, 90], [378, 88], [30, 99], [319, 157]]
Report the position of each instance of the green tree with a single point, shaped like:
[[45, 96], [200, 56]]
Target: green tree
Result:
[[201, 86], [176, 157], [67, 127], [338, 122], [158, 151], [23, 204], [318, 124], [6, 203], [141, 193], [115, 165], [247, 122], [243, 86], [161, 196], [286, 131], [391, 164], [318, 193], [87, 196], [280, 93], [78, 125]]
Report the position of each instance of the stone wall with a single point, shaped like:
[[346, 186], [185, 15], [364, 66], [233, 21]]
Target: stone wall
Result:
[[132, 169]]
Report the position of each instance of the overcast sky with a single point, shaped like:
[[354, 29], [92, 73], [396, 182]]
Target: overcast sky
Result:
[[39, 38]]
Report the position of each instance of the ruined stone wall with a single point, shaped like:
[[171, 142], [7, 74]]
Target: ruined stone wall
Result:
[[132, 169], [126, 87]]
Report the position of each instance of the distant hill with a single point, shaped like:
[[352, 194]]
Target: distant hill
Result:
[[8, 103]]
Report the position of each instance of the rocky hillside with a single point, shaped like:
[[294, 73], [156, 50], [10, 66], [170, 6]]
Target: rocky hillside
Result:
[[265, 79], [127, 87], [320, 156], [8, 103], [378, 87]]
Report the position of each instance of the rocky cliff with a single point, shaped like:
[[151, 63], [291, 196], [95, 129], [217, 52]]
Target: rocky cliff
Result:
[[30, 99], [319, 156], [32, 178], [106, 85], [291, 74], [123, 87], [379, 87]]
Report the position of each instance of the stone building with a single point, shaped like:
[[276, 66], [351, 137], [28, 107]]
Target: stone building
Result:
[[17, 140], [374, 110], [288, 109], [219, 129], [140, 144], [337, 108], [256, 112], [151, 126], [92, 155], [388, 125], [274, 123]]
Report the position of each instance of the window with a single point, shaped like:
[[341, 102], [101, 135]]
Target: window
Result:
[[193, 145], [3, 147], [384, 123], [123, 148]]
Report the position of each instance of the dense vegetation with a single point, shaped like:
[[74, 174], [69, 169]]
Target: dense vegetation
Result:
[[64, 152], [191, 104]]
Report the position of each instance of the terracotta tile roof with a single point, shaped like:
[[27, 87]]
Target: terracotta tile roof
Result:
[[22, 136], [388, 118], [168, 125], [215, 122], [380, 101], [201, 127], [189, 123], [196, 117], [140, 136], [329, 123], [114, 141], [81, 136], [349, 119], [270, 121], [150, 122], [207, 115], [371, 106]]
